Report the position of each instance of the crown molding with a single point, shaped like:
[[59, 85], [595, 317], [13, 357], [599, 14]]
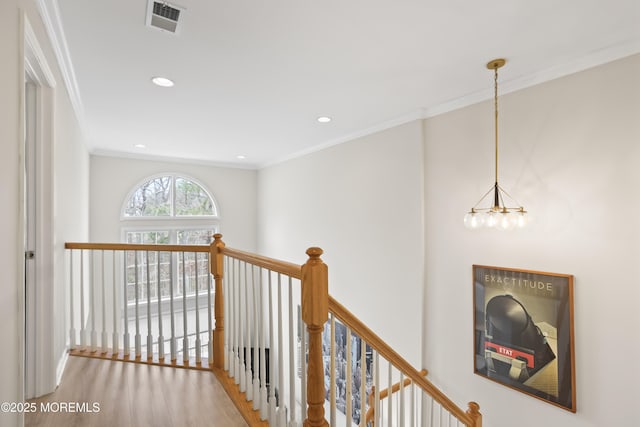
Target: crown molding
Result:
[[415, 115], [179, 160], [594, 59], [50, 14]]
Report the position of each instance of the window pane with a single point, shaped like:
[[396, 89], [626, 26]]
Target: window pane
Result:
[[153, 198], [195, 237], [148, 237], [192, 199], [193, 275], [137, 266]]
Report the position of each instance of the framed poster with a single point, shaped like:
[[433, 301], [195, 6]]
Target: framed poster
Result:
[[523, 332]]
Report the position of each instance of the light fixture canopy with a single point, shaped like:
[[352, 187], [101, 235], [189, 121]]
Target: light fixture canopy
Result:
[[497, 214]]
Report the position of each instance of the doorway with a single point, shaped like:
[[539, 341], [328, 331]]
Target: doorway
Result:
[[30, 210], [39, 365]]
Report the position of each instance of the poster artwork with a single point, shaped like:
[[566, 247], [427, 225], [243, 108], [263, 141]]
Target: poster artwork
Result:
[[523, 324]]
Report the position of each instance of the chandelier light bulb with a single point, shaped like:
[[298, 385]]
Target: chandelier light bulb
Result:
[[491, 221], [505, 221], [473, 220]]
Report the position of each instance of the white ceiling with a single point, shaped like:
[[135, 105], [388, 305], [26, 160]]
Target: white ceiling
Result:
[[251, 77]]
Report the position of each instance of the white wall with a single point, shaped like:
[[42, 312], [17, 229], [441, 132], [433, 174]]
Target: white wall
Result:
[[70, 211], [570, 153], [10, 259], [362, 203], [234, 190], [70, 166]]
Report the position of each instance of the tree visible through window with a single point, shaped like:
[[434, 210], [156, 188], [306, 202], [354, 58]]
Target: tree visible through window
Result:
[[169, 196]]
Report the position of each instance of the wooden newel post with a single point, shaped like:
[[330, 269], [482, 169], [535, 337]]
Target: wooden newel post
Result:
[[217, 269], [474, 414], [315, 312]]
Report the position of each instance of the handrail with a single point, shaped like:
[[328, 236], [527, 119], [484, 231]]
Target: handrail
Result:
[[137, 247], [405, 367], [283, 267]]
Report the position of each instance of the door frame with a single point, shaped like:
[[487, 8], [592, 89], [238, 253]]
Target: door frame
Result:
[[39, 370]]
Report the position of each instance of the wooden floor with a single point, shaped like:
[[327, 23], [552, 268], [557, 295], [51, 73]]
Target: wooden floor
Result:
[[102, 393]]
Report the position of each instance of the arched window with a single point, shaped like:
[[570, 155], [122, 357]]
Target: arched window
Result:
[[169, 209]]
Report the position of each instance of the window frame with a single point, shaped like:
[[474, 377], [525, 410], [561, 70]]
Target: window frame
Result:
[[172, 224], [172, 217]]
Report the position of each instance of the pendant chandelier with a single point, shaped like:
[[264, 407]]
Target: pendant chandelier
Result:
[[496, 213]]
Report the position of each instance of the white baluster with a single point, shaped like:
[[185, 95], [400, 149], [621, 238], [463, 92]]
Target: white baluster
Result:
[[390, 396], [247, 347], [264, 409], [149, 334], [159, 296], [412, 421], [238, 327], [185, 330], [198, 341], [292, 361], [233, 312], [282, 415], [105, 336], [228, 313], [255, 352], [401, 408], [376, 395], [114, 306], [137, 337], [210, 315], [332, 373], [363, 382], [83, 331], [92, 298], [127, 344], [242, 350], [431, 414], [349, 402], [72, 320], [272, 363], [173, 345]]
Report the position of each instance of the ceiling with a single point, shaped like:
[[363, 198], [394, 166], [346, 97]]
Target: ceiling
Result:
[[252, 77]]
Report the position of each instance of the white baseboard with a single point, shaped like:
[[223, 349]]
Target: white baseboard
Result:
[[62, 362]]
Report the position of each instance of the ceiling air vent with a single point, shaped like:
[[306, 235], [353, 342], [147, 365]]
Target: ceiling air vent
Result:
[[164, 16]]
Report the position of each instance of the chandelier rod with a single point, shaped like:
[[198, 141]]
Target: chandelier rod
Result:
[[495, 103], [494, 65]]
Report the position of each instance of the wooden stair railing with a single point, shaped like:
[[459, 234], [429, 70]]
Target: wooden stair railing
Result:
[[470, 418], [240, 310], [316, 305], [313, 276], [100, 287]]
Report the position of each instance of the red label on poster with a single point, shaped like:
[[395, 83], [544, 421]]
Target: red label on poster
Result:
[[510, 352]]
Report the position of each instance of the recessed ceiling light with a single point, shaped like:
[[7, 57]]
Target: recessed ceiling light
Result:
[[241, 157], [140, 146], [162, 81], [324, 119]]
